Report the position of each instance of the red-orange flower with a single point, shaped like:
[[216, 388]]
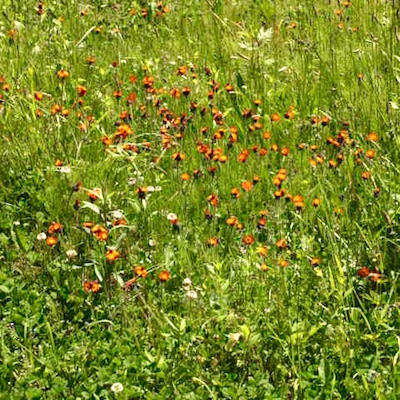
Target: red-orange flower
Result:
[[54, 227], [51, 241], [93, 286], [100, 233], [248, 239], [363, 272], [62, 74], [213, 200], [212, 242], [81, 90], [141, 271], [112, 255], [164, 276], [281, 244], [247, 186]]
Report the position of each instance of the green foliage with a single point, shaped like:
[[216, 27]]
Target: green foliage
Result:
[[213, 315]]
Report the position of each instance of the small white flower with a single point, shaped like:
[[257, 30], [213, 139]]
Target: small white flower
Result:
[[152, 243], [192, 294], [36, 50], [71, 254], [117, 387], [235, 337], [187, 283], [132, 181], [117, 214], [65, 170], [17, 223], [172, 217], [41, 236]]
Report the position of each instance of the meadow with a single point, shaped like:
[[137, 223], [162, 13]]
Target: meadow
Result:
[[199, 199]]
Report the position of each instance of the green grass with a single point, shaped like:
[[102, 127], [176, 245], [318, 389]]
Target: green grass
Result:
[[311, 330]]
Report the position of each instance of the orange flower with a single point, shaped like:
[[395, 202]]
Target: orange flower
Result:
[[262, 251], [332, 164], [100, 233], [81, 90], [54, 227], [131, 99], [239, 226], [370, 154], [87, 286], [274, 147], [229, 88], [91, 60], [262, 223], [123, 131], [264, 267], [232, 221], [107, 141], [212, 242], [235, 193], [247, 186], [112, 255], [277, 182], [119, 222], [316, 202], [164, 276], [185, 176], [178, 156], [148, 82], [62, 74], [141, 271], [175, 92], [283, 263], [248, 239], [38, 96], [290, 113], [95, 286], [94, 194], [373, 137], [182, 70], [315, 261], [213, 200], [285, 151], [325, 120], [281, 244], [243, 155], [267, 135], [55, 109], [363, 272], [212, 170], [275, 117], [375, 276], [366, 175], [51, 241], [141, 191]]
